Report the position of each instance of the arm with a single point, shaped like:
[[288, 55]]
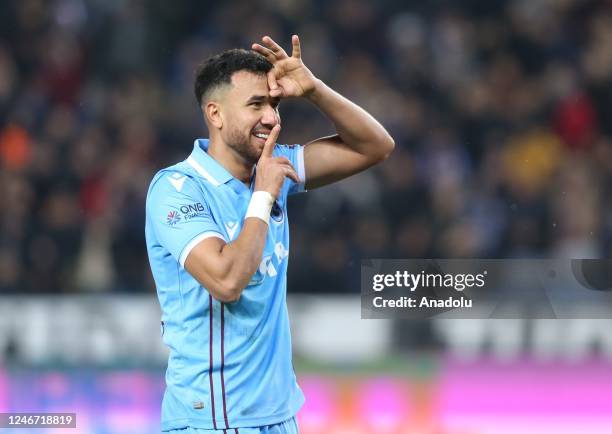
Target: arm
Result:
[[225, 269], [361, 141]]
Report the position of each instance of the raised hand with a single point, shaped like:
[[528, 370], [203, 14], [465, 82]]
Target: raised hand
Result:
[[289, 77], [272, 171]]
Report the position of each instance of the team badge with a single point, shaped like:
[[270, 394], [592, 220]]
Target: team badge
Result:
[[276, 212]]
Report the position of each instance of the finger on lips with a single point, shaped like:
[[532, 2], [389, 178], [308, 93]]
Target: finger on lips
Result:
[[271, 141]]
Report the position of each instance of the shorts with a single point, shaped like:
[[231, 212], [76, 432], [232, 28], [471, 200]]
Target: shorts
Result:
[[287, 427]]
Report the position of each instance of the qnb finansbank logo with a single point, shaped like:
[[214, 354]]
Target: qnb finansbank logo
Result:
[[173, 218], [192, 210]]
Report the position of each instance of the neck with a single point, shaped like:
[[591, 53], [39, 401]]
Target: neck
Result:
[[234, 163]]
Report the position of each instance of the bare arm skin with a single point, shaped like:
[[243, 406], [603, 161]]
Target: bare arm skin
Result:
[[225, 269], [360, 142]]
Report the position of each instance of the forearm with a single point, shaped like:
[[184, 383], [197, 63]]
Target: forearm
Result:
[[245, 252], [356, 127], [225, 269], [241, 258]]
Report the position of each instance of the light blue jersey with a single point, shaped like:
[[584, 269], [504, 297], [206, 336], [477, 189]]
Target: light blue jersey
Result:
[[230, 363]]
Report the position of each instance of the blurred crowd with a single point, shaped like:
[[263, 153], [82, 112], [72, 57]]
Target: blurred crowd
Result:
[[501, 112]]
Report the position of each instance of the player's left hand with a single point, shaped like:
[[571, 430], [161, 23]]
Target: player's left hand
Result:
[[289, 77]]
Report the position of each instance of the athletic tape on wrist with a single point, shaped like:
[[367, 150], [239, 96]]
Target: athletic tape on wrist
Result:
[[260, 206]]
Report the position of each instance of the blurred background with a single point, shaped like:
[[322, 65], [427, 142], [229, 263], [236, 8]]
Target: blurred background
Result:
[[502, 116]]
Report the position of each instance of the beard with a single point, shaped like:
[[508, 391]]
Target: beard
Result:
[[241, 144]]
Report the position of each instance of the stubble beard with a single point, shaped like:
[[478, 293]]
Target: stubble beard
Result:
[[243, 147]]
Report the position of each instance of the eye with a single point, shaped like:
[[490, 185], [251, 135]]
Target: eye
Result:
[[256, 104]]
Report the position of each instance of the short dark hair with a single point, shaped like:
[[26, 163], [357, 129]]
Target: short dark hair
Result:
[[217, 70]]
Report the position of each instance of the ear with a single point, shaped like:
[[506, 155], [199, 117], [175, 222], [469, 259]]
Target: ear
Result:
[[212, 113]]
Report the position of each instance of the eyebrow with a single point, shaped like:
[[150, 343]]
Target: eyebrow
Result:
[[257, 98], [261, 98]]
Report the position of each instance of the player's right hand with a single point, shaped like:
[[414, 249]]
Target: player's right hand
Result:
[[272, 171]]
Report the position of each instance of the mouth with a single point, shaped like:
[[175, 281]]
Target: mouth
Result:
[[261, 137]]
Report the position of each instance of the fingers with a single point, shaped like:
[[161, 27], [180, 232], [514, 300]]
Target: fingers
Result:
[[272, 83], [283, 160], [264, 51], [273, 52], [274, 47], [271, 141], [291, 173], [297, 50]]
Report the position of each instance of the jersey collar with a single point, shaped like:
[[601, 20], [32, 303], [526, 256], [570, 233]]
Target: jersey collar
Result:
[[206, 165]]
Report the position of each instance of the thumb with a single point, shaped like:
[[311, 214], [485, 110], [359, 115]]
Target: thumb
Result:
[[275, 89], [272, 80]]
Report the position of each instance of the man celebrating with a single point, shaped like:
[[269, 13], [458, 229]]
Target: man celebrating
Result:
[[218, 239]]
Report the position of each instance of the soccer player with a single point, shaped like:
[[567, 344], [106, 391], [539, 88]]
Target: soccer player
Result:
[[218, 239]]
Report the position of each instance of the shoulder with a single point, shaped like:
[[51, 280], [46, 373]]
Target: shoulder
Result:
[[168, 177], [177, 181]]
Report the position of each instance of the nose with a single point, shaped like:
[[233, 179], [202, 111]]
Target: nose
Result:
[[270, 117]]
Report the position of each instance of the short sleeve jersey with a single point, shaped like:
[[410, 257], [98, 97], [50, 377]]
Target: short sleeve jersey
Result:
[[230, 363]]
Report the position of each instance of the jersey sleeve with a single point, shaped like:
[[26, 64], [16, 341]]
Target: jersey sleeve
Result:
[[179, 214], [295, 154]]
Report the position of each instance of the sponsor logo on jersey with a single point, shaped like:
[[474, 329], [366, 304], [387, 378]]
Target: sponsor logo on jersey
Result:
[[192, 210], [280, 251], [173, 218], [267, 265]]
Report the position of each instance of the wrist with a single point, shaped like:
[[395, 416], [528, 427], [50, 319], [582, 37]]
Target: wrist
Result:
[[260, 205], [316, 91]]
